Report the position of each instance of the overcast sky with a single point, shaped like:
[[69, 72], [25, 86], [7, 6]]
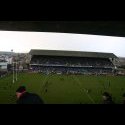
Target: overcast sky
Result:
[[25, 41]]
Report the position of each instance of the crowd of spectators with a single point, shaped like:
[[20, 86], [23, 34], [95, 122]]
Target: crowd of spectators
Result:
[[72, 61], [73, 65], [71, 70]]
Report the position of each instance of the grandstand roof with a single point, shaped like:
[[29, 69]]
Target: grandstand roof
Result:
[[72, 53]]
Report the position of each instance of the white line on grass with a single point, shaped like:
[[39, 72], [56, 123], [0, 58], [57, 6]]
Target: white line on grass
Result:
[[44, 82], [82, 88]]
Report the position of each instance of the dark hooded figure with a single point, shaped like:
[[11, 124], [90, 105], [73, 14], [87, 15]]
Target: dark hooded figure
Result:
[[24, 97]]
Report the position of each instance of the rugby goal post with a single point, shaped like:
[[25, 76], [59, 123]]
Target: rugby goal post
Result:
[[14, 72]]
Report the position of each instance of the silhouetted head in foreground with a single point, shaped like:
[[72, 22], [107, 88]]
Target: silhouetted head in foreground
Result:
[[107, 98], [20, 91], [24, 97]]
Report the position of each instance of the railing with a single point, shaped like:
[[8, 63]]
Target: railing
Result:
[[56, 65]]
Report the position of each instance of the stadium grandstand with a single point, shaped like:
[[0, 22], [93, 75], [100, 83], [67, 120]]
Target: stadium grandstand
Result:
[[72, 62]]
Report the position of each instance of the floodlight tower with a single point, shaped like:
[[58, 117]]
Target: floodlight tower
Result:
[[16, 67], [16, 70], [13, 73]]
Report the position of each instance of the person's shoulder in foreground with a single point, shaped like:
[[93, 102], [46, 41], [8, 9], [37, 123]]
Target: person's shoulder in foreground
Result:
[[24, 97]]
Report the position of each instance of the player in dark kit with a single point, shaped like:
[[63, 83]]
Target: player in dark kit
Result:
[[107, 99], [24, 97]]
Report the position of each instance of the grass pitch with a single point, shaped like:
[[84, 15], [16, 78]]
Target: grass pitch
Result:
[[64, 89]]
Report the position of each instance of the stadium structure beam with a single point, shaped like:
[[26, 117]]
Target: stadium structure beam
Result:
[[108, 28]]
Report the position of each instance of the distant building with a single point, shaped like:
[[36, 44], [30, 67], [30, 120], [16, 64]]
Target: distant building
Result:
[[20, 67], [3, 66], [10, 60]]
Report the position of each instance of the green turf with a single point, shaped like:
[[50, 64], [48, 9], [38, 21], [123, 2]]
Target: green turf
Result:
[[63, 89]]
